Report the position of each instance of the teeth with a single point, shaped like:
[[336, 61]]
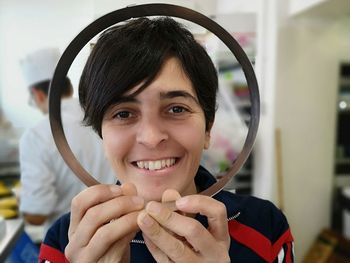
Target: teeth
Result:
[[156, 165], [141, 164], [151, 166]]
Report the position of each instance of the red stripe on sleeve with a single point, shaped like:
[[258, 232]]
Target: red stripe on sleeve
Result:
[[260, 244], [51, 254], [289, 253], [285, 238], [251, 238]]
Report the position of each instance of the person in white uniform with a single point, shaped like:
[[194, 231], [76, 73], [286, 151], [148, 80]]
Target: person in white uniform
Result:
[[48, 184]]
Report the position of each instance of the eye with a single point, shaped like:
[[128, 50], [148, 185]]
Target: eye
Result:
[[122, 115], [177, 109]]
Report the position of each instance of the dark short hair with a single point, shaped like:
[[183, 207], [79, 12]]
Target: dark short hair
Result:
[[127, 54], [44, 86]]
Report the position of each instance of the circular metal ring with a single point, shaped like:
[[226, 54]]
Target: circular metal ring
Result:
[[120, 15]]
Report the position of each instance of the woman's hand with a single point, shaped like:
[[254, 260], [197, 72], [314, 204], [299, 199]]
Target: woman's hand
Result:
[[103, 221], [173, 237]]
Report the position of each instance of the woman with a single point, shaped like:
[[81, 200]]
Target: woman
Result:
[[149, 90]]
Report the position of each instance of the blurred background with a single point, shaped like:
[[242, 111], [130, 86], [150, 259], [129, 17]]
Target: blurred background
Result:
[[300, 50]]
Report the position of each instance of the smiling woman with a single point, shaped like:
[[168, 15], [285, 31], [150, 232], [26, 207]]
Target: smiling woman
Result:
[[149, 90]]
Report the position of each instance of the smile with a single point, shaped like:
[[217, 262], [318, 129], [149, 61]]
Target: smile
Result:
[[156, 165]]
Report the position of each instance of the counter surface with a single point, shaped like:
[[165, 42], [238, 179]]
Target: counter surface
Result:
[[14, 229]]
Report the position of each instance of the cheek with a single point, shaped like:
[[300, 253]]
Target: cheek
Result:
[[115, 143], [192, 136]]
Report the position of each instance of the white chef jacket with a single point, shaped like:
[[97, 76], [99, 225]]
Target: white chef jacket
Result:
[[48, 184]]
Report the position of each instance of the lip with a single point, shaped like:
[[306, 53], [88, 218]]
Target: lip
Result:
[[154, 158]]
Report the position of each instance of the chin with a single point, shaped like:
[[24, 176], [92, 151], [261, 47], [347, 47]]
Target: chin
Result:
[[152, 197], [151, 191]]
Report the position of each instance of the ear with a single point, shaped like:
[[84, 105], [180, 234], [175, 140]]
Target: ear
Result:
[[207, 136], [39, 95]]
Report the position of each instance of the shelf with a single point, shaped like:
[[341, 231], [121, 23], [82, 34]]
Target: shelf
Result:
[[342, 180], [342, 160], [344, 81], [240, 103], [244, 172], [9, 171]]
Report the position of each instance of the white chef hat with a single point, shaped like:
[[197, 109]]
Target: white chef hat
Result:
[[39, 65]]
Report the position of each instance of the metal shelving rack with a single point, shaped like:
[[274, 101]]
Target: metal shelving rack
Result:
[[341, 202]]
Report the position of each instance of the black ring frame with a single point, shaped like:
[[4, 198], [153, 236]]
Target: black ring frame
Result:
[[120, 15]]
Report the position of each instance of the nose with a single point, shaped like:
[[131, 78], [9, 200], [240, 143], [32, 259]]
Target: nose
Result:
[[151, 133]]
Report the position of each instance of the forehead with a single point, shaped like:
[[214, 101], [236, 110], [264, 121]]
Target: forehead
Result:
[[170, 77]]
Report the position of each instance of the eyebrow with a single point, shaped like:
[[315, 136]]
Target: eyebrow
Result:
[[126, 99], [178, 93], [163, 95]]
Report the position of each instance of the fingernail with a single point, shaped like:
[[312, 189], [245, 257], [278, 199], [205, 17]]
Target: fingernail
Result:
[[181, 202], [115, 189], [137, 200], [146, 219], [153, 208]]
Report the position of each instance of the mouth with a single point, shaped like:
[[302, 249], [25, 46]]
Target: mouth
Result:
[[156, 164]]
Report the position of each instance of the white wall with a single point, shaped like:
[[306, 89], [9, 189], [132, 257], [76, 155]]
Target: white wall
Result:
[[207, 7], [309, 52], [24, 27], [237, 6], [264, 166], [297, 6]]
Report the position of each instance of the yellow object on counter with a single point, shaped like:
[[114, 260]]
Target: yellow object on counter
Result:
[[8, 213], [8, 202], [4, 190]]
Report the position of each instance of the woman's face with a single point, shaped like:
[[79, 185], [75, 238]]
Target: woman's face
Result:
[[155, 139]]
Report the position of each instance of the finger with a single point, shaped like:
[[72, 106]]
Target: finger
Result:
[[129, 189], [102, 213], [90, 197], [122, 230], [193, 231], [119, 251], [168, 199], [170, 195], [175, 249], [214, 210], [157, 254]]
